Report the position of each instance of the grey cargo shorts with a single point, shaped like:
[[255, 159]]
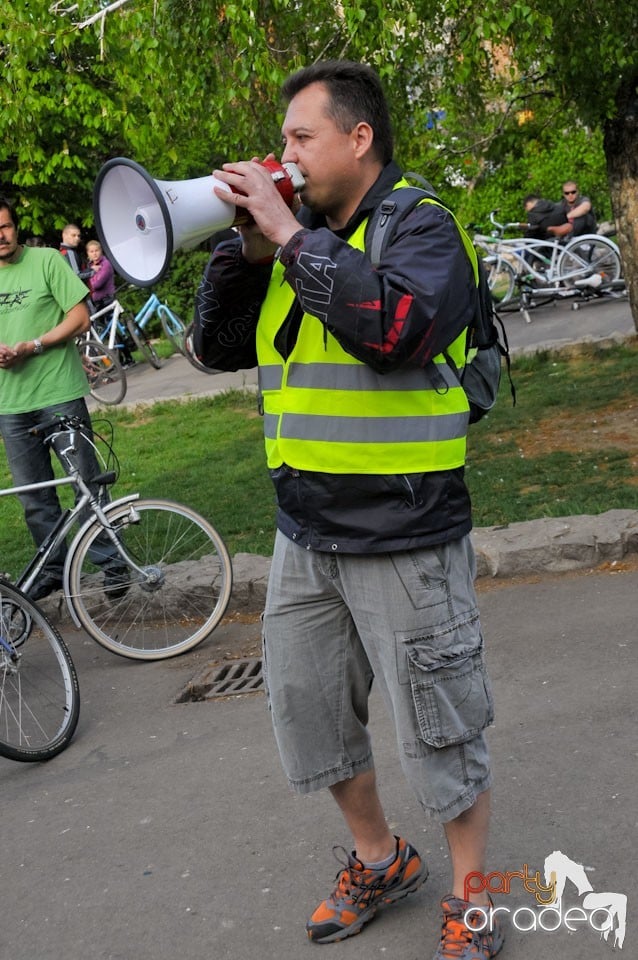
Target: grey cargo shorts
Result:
[[333, 622]]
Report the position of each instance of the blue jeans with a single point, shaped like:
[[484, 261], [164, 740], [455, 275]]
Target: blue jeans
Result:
[[29, 460]]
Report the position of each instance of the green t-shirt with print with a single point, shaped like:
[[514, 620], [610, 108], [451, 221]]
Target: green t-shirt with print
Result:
[[36, 293]]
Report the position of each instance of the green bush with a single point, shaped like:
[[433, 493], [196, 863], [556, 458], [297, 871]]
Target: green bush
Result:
[[177, 288], [537, 166]]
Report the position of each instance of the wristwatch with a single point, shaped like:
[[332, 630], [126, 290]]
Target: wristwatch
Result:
[[38, 347]]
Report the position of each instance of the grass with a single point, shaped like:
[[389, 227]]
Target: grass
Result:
[[569, 446]]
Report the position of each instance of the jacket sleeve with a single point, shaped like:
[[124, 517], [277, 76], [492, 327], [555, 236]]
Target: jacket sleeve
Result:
[[407, 310], [227, 308]]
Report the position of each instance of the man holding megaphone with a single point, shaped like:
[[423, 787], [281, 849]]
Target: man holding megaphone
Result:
[[372, 568]]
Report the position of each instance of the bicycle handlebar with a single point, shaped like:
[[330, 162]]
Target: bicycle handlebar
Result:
[[62, 422], [65, 424], [502, 227]]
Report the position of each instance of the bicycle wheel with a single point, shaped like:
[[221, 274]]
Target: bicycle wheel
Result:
[[584, 257], [501, 279], [188, 351], [173, 328], [39, 691], [106, 376], [172, 598], [142, 343]]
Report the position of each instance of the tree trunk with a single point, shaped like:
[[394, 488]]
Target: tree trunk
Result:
[[621, 154]]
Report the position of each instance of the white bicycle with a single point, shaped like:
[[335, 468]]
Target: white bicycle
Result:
[[524, 272]]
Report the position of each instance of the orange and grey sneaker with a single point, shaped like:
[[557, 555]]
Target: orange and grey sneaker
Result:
[[360, 891], [475, 935]]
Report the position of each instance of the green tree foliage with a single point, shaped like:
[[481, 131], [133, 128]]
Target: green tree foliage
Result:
[[570, 68], [491, 102]]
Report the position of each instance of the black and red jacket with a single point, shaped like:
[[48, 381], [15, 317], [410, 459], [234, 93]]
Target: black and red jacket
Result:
[[397, 314]]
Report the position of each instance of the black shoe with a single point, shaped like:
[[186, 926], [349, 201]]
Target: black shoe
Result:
[[117, 582], [44, 586]]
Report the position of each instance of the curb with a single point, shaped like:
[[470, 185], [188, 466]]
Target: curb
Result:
[[546, 546], [551, 545]]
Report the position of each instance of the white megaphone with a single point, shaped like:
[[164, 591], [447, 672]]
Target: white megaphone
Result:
[[141, 222]]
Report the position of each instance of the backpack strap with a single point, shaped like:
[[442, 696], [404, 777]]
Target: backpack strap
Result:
[[387, 214], [395, 206], [483, 334], [400, 201]]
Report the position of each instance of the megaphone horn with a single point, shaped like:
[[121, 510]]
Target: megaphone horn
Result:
[[141, 222]]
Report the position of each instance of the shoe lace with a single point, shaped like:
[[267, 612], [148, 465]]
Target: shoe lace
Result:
[[455, 938], [352, 884]]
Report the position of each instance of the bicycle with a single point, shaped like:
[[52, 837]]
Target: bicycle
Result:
[[39, 689], [543, 270], [146, 578], [119, 328], [172, 326], [104, 372]]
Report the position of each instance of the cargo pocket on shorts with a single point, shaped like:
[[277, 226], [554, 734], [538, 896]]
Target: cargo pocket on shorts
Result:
[[450, 687]]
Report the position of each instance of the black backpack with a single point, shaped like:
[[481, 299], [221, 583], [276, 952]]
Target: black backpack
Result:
[[486, 345]]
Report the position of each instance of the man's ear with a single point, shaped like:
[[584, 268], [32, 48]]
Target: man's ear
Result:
[[363, 138]]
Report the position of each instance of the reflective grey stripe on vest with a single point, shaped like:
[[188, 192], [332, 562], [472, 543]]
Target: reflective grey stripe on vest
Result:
[[271, 421], [301, 426], [340, 376], [269, 376]]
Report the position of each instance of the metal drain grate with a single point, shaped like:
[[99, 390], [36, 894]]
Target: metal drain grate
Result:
[[229, 678]]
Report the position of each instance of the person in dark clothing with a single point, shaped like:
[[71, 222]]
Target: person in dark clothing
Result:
[[579, 217], [71, 250], [372, 571], [541, 214]]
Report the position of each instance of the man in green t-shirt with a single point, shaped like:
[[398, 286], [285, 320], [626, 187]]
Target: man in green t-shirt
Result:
[[42, 310]]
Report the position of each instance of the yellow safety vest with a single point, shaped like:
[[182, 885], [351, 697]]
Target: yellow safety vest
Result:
[[326, 411]]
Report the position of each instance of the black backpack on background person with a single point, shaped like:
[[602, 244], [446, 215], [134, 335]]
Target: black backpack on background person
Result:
[[486, 345]]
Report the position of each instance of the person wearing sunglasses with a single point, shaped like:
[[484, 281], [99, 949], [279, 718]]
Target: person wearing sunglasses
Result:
[[579, 215]]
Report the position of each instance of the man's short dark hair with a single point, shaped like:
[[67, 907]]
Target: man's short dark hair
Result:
[[6, 204], [355, 94]]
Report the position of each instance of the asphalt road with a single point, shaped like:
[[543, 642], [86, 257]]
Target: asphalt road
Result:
[[167, 830]]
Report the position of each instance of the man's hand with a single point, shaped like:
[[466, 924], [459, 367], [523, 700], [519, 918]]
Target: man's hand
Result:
[[8, 356], [23, 349], [274, 223]]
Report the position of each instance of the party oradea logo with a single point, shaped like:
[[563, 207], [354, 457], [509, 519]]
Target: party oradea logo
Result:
[[604, 912]]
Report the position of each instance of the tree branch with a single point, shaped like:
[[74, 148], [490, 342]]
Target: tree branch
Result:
[[102, 14]]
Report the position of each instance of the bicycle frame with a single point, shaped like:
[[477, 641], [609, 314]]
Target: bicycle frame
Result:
[[143, 316], [154, 305], [7, 649], [545, 252], [57, 536], [113, 327], [541, 263], [146, 578]]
